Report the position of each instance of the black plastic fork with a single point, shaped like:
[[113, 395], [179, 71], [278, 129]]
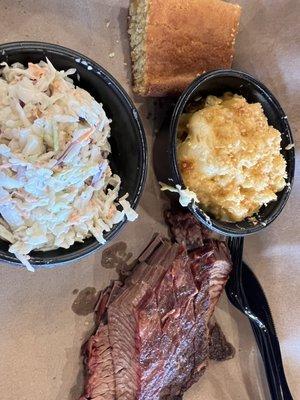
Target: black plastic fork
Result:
[[245, 293]]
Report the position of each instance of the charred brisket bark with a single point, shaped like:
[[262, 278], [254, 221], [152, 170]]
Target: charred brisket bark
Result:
[[153, 339]]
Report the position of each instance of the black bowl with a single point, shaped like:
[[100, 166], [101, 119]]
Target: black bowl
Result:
[[129, 151], [217, 83]]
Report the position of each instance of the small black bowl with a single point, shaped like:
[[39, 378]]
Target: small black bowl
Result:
[[217, 83], [129, 151]]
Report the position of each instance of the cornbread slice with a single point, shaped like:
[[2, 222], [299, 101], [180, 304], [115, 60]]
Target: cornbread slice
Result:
[[173, 41]]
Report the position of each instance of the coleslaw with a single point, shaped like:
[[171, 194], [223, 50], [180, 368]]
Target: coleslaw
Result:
[[56, 185]]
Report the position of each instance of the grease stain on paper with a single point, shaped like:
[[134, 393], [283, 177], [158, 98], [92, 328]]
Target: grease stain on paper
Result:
[[85, 301], [117, 257]]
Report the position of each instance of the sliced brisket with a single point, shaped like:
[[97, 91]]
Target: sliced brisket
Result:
[[101, 383], [184, 228], [153, 340]]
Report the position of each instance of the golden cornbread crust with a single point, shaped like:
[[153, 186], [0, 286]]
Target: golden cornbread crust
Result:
[[183, 39], [230, 157]]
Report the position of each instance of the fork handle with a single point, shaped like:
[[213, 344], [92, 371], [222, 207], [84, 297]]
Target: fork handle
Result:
[[270, 352], [266, 340], [236, 247]]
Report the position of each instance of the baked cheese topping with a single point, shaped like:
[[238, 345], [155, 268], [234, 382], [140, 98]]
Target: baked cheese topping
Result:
[[230, 157]]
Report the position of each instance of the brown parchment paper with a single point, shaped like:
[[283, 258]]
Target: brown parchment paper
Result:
[[40, 334]]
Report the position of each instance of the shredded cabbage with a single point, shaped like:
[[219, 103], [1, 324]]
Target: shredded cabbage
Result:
[[186, 196], [56, 185]]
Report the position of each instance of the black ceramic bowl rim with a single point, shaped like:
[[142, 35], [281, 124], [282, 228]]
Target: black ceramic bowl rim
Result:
[[208, 220], [108, 78]]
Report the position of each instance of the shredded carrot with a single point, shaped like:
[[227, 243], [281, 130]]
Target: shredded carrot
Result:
[[112, 211], [85, 136], [74, 217], [36, 70], [56, 85]]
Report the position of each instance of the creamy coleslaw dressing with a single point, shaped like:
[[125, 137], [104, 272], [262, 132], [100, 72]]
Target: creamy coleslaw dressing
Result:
[[56, 185]]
